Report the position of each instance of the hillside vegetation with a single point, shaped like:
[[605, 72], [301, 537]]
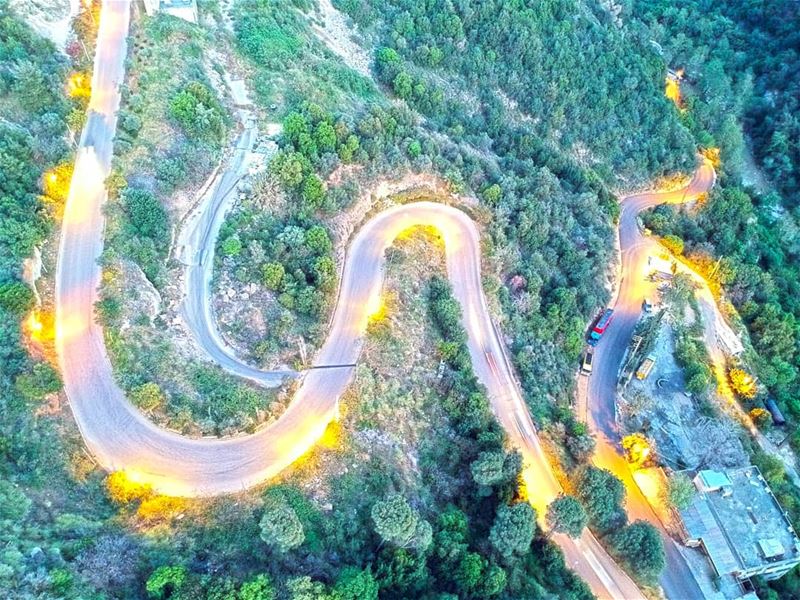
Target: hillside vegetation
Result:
[[532, 115]]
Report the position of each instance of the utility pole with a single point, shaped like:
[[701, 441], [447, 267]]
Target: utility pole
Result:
[[714, 270]]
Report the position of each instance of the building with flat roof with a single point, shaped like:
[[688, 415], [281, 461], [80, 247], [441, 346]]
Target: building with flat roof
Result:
[[738, 523], [183, 9]]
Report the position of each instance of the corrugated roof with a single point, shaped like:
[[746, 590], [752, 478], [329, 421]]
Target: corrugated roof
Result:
[[701, 525]]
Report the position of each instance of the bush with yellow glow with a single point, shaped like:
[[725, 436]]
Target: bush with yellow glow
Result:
[[122, 490], [743, 383]]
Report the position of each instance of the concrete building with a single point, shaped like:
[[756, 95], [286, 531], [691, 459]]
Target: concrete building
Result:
[[183, 9], [737, 522]]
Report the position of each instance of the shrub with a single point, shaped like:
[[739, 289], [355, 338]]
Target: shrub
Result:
[[165, 581], [280, 527], [232, 246], [146, 217], [196, 109], [679, 491], [148, 396]]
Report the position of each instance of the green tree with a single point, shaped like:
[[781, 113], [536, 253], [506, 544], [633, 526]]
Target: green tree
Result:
[[258, 588], [581, 445], [199, 113], [388, 63], [313, 192], [16, 297], [395, 521], [492, 194], [305, 588], [494, 581], [318, 240], [290, 167], [273, 273], [673, 243], [325, 272], [295, 126], [403, 85], [566, 515], [232, 246], [468, 572], [325, 137], [355, 584], [513, 529], [166, 581], [280, 526], [487, 469], [348, 150], [601, 494], [639, 545]]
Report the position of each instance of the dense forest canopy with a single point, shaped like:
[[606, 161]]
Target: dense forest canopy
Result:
[[536, 112], [564, 67], [741, 62], [744, 56]]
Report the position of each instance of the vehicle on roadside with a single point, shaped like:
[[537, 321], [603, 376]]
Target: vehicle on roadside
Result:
[[644, 369], [600, 326], [588, 357], [777, 416]]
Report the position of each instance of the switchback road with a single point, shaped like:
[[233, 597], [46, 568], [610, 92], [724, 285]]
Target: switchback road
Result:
[[121, 438]]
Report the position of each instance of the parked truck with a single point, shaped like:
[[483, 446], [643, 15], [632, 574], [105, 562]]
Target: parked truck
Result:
[[644, 369], [600, 327]]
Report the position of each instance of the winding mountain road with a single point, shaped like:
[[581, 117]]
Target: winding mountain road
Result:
[[677, 580], [121, 438]]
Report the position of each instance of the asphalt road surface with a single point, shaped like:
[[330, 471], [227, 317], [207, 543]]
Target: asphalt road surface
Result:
[[676, 580], [196, 244]]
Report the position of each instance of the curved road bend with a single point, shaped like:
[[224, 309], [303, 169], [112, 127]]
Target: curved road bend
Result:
[[676, 580], [196, 244], [122, 438]]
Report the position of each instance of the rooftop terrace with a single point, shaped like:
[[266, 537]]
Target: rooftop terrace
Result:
[[741, 525]]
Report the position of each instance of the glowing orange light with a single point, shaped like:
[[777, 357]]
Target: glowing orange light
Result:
[[712, 156], [637, 449], [377, 310], [78, 86], [673, 91], [125, 486], [743, 383], [34, 326]]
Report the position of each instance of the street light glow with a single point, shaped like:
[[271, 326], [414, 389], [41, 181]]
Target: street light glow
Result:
[[78, 86]]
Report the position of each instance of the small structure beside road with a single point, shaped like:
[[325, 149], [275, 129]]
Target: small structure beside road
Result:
[[737, 522], [183, 9]]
